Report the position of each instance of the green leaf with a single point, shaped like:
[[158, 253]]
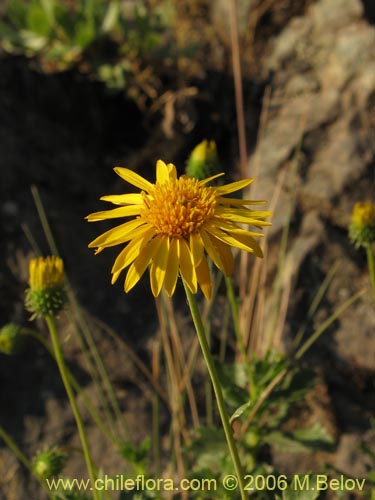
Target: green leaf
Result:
[[49, 9], [16, 11], [304, 490], [315, 438], [240, 411], [111, 16], [37, 20], [84, 33]]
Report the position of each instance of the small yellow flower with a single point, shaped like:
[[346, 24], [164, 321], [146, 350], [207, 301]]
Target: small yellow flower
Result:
[[364, 214], [362, 227], [10, 338], [46, 294], [177, 221]]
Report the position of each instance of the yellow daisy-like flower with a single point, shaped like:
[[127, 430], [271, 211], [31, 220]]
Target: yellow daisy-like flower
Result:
[[177, 222]]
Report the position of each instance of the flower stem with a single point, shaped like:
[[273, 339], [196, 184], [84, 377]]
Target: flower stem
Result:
[[65, 378], [217, 388], [371, 266]]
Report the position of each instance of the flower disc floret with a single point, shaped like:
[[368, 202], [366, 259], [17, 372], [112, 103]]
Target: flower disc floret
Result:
[[178, 208]]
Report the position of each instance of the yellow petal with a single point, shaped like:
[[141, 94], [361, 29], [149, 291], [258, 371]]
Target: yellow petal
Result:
[[209, 179], [242, 241], [140, 264], [115, 213], [186, 267], [116, 235], [238, 201], [133, 178], [171, 273], [204, 278], [229, 226], [214, 250], [162, 173], [233, 186], [172, 172], [124, 199], [159, 266], [196, 248], [132, 250]]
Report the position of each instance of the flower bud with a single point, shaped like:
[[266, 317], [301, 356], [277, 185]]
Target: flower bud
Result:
[[10, 338], [203, 161], [46, 294], [49, 463], [362, 226]]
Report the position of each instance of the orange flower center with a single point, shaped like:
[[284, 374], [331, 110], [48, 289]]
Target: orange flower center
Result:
[[178, 208]]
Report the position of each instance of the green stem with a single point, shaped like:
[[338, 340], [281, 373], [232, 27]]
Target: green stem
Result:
[[65, 378], [371, 266], [237, 330], [217, 388]]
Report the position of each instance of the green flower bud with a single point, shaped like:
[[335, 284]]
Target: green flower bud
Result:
[[49, 463], [362, 227], [10, 338], [203, 161], [46, 295]]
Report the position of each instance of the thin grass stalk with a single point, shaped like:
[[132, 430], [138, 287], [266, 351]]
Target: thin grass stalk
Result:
[[105, 380], [156, 410], [180, 353], [371, 266], [24, 460], [76, 386], [328, 322], [77, 415], [175, 395], [82, 323], [217, 388], [314, 305], [136, 360], [240, 341]]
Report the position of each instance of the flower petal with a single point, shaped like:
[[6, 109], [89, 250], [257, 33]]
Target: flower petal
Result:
[[233, 186], [171, 272], [186, 266], [159, 266], [209, 179], [242, 241], [140, 264], [219, 253], [115, 213], [124, 199], [172, 172], [132, 250], [204, 278], [162, 172], [238, 201], [133, 178], [196, 248], [118, 234], [231, 227]]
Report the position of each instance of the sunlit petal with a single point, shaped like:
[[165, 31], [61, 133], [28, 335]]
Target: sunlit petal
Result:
[[186, 267], [204, 278], [233, 186], [133, 178], [171, 273], [159, 266], [115, 213], [141, 263], [124, 199]]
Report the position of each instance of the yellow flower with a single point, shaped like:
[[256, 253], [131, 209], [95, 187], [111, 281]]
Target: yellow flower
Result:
[[177, 221], [364, 214], [362, 227], [46, 294]]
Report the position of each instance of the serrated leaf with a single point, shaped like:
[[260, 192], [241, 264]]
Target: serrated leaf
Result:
[[316, 438]]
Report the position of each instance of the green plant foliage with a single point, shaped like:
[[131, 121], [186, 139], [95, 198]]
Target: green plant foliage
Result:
[[107, 40]]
